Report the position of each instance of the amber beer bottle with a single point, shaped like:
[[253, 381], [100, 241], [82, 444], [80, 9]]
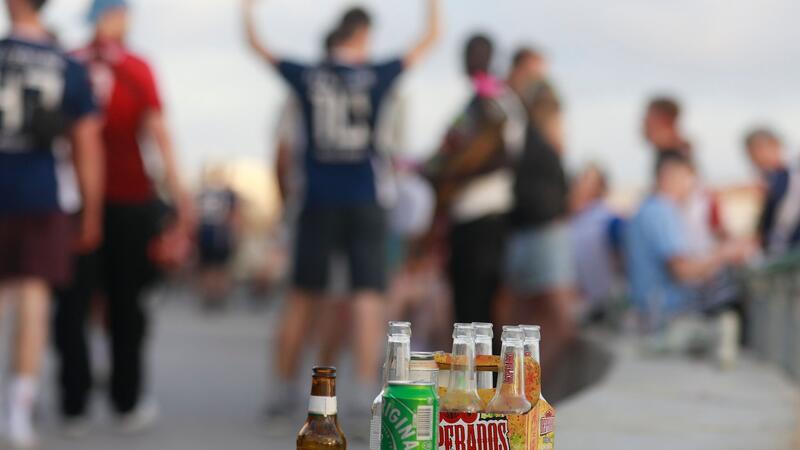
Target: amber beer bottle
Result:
[[321, 430]]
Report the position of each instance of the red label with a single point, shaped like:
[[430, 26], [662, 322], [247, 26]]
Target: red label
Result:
[[508, 372], [469, 432]]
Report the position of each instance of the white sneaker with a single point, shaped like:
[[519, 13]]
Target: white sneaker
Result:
[[140, 419], [728, 333], [23, 438]]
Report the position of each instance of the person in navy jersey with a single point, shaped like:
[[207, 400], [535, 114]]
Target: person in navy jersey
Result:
[[779, 224], [341, 211], [46, 96]]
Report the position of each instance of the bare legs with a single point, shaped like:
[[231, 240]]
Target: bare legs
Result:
[[368, 327], [31, 297]]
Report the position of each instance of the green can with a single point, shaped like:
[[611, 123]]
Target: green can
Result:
[[410, 416]]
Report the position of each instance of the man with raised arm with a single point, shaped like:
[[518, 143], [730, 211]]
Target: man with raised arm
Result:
[[341, 210], [46, 96]]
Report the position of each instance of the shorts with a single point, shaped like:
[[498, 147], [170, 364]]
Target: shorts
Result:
[[215, 245], [36, 246], [358, 233], [539, 259]]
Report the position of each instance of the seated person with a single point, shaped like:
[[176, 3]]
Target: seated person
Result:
[[666, 279], [779, 225], [596, 241]]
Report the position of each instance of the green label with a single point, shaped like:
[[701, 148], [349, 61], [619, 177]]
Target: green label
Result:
[[408, 424]]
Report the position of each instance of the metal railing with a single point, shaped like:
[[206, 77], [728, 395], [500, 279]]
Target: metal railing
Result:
[[773, 312]]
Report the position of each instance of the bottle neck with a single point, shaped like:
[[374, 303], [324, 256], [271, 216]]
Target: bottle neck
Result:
[[483, 346], [512, 379], [462, 371], [532, 349], [398, 356], [323, 397]]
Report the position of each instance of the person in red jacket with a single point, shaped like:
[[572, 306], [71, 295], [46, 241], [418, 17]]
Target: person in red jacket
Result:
[[134, 222]]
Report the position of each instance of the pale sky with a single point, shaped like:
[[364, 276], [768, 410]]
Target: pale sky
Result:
[[732, 62]]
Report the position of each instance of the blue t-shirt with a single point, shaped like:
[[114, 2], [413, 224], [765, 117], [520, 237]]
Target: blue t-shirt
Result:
[[655, 236], [42, 91], [340, 106]]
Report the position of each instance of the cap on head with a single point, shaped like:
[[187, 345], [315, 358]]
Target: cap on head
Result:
[[101, 7], [478, 54]]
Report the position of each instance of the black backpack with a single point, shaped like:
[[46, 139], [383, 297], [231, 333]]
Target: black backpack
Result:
[[540, 184]]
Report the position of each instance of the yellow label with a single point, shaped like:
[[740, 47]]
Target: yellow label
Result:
[[546, 426]]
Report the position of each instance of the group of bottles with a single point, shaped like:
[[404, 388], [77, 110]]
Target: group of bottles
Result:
[[404, 369], [510, 397]]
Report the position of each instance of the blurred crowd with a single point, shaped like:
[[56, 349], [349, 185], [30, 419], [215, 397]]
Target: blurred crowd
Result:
[[490, 228]]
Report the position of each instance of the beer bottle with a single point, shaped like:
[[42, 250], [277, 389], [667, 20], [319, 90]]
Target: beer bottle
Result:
[[395, 368], [462, 388], [510, 395], [545, 413], [321, 430], [484, 333]]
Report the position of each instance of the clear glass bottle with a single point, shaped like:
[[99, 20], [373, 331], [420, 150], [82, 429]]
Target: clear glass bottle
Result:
[[423, 369], [510, 395], [321, 430], [462, 388], [484, 333], [395, 368]]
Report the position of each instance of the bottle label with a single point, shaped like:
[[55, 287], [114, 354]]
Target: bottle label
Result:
[[474, 431], [323, 406], [508, 371]]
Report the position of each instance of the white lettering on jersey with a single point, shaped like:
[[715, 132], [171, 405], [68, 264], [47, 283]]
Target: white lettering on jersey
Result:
[[341, 117]]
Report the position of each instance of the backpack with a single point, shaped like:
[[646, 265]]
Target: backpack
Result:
[[540, 184]]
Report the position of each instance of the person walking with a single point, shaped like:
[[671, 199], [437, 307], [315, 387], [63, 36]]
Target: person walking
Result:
[[46, 96], [341, 208], [134, 217]]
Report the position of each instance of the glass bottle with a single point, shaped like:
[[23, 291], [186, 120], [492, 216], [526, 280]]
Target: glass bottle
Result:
[[510, 395], [321, 430], [423, 369], [462, 388], [395, 368], [484, 333], [545, 422]]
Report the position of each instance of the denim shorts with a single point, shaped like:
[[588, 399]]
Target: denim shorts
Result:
[[539, 259]]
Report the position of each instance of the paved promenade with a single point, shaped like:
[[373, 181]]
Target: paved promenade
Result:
[[209, 376]]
